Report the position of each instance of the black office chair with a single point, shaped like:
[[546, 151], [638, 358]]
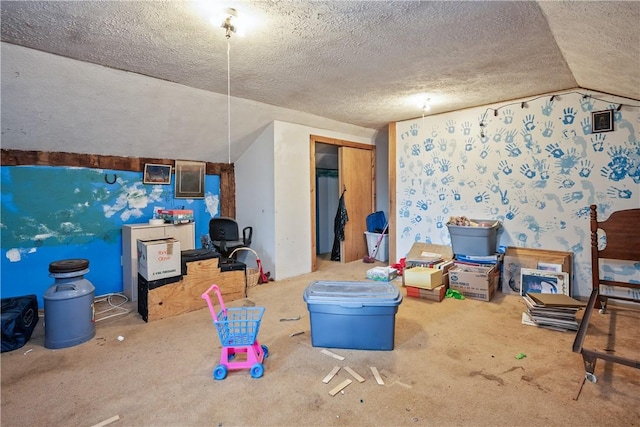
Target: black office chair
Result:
[[225, 236]]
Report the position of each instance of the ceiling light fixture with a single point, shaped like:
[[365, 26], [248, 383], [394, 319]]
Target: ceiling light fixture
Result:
[[229, 21], [426, 105]]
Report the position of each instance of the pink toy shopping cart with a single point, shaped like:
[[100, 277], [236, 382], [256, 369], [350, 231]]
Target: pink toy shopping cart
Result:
[[237, 329]]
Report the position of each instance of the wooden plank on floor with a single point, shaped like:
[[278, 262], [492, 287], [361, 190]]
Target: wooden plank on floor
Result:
[[354, 374], [376, 375], [340, 386], [331, 374]]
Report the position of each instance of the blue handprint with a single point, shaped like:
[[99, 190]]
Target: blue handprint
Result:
[[441, 194], [444, 165], [404, 212], [443, 144], [528, 122], [466, 128], [429, 170], [485, 152], [414, 130], [586, 126], [446, 180], [439, 221], [522, 197], [597, 142], [451, 126], [527, 171], [497, 137], [422, 205], [573, 197], [586, 103], [508, 116], [511, 214], [554, 150], [617, 115], [548, 129], [510, 136], [468, 146], [428, 144], [481, 168], [456, 195], [409, 191], [415, 149], [513, 150], [585, 168], [547, 109], [493, 187], [505, 167], [569, 115], [565, 183], [481, 197], [567, 162], [619, 193], [416, 220], [503, 197]]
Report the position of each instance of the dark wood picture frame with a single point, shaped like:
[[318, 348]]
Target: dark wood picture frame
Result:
[[189, 179], [156, 174], [601, 121]]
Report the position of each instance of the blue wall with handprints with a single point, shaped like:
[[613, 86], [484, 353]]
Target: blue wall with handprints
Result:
[[54, 213], [536, 167]]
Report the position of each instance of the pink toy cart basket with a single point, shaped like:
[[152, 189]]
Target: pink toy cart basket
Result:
[[238, 329]]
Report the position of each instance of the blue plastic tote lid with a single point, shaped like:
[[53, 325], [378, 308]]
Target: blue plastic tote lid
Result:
[[366, 293]]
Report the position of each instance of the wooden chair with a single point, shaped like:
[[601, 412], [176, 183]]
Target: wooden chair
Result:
[[622, 231]]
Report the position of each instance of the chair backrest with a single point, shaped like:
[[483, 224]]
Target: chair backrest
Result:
[[622, 235], [223, 228]]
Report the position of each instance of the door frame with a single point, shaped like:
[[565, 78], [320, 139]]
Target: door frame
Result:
[[313, 139]]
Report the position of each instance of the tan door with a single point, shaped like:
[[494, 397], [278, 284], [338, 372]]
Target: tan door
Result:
[[356, 172]]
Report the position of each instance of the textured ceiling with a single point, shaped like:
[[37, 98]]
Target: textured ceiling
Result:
[[358, 62]]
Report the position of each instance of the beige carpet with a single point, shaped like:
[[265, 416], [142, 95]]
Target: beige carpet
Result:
[[453, 364]]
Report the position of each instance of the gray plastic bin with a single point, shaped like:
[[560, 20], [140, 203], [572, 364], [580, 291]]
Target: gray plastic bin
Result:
[[475, 241]]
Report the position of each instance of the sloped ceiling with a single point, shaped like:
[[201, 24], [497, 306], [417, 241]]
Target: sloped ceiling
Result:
[[358, 62]]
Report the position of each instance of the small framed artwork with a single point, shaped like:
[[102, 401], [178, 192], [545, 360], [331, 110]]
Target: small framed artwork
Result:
[[190, 179], [544, 282], [156, 174], [602, 121]]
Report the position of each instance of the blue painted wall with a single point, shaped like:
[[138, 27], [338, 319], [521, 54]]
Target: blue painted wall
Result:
[[53, 213], [535, 168]]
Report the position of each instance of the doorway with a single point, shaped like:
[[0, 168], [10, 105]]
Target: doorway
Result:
[[354, 165]]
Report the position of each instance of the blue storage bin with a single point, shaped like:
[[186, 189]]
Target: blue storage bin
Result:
[[353, 315], [376, 222]]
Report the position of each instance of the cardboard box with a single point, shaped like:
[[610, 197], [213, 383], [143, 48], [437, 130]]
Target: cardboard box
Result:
[[420, 254], [422, 277], [476, 282], [517, 258], [436, 294], [159, 258], [384, 274]]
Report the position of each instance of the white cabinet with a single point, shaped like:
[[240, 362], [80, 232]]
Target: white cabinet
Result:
[[185, 233]]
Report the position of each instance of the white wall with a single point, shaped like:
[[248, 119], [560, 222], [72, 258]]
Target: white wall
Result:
[[290, 204], [536, 169], [255, 199]]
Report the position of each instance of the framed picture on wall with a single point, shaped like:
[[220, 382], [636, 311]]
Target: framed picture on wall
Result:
[[156, 174], [602, 121], [190, 179]]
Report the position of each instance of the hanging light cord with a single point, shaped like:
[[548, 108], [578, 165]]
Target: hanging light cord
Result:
[[229, 98]]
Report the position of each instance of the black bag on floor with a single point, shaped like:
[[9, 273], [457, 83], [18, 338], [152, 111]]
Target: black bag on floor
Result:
[[19, 319]]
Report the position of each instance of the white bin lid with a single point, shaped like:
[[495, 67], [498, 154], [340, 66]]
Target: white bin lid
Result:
[[364, 293]]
